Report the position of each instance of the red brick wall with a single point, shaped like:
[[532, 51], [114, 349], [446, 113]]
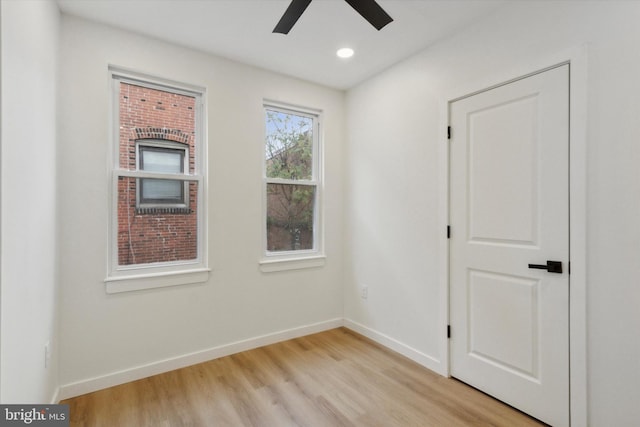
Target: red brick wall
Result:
[[160, 235]]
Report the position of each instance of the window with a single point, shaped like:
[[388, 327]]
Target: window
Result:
[[292, 183], [158, 219], [167, 158]]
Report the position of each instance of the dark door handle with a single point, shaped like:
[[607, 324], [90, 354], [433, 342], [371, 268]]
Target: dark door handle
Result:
[[550, 266]]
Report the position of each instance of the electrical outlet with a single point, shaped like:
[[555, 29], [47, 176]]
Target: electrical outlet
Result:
[[47, 354], [364, 292]]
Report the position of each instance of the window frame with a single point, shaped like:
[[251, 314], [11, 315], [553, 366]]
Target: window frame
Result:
[[124, 278], [271, 261], [160, 145]]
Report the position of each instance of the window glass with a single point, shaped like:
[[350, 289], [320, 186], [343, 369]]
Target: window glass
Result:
[[157, 217], [161, 160], [165, 160], [290, 217], [161, 191], [155, 235], [289, 145], [291, 181]]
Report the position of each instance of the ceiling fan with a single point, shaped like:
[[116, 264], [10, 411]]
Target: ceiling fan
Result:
[[369, 9]]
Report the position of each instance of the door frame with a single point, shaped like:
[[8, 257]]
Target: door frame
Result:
[[576, 58]]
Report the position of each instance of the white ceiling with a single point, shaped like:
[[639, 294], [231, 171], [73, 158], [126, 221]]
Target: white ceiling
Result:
[[242, 30]]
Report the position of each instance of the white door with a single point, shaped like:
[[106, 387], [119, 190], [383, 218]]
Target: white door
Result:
[[509, 184]]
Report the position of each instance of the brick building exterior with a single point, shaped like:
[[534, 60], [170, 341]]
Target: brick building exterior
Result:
[[159, 233]]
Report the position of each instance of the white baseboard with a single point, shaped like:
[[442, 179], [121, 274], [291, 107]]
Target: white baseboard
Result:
[[116, 378], [121, 377], [423, 359], [56, 396]]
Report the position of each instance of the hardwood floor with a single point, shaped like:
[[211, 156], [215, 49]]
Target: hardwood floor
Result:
[[334, 378]]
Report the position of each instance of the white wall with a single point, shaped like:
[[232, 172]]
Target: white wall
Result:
[[103, 334], [28, 202], [392, 173], [394, 181]]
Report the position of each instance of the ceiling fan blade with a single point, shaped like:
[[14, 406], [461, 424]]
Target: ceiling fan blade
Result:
[[372, 12], [291, 16]]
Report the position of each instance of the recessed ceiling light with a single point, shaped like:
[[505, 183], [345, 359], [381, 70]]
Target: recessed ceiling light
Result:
[[345, 52]]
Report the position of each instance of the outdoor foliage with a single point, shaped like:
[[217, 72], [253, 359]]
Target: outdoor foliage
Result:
[[290, 206]]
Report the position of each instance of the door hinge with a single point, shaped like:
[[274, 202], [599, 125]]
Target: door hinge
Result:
[[569, 268], [448, 132], [448, 331], [448, 231]]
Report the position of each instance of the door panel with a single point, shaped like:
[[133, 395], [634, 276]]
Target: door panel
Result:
[[509, 187], [506, 338], [509, 208]]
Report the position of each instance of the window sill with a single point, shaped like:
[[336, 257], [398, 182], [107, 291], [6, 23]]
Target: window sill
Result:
[[140, 282], [284, 264]]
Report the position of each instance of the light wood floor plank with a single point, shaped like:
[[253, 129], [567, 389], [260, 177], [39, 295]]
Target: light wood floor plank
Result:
[[334, 378]]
